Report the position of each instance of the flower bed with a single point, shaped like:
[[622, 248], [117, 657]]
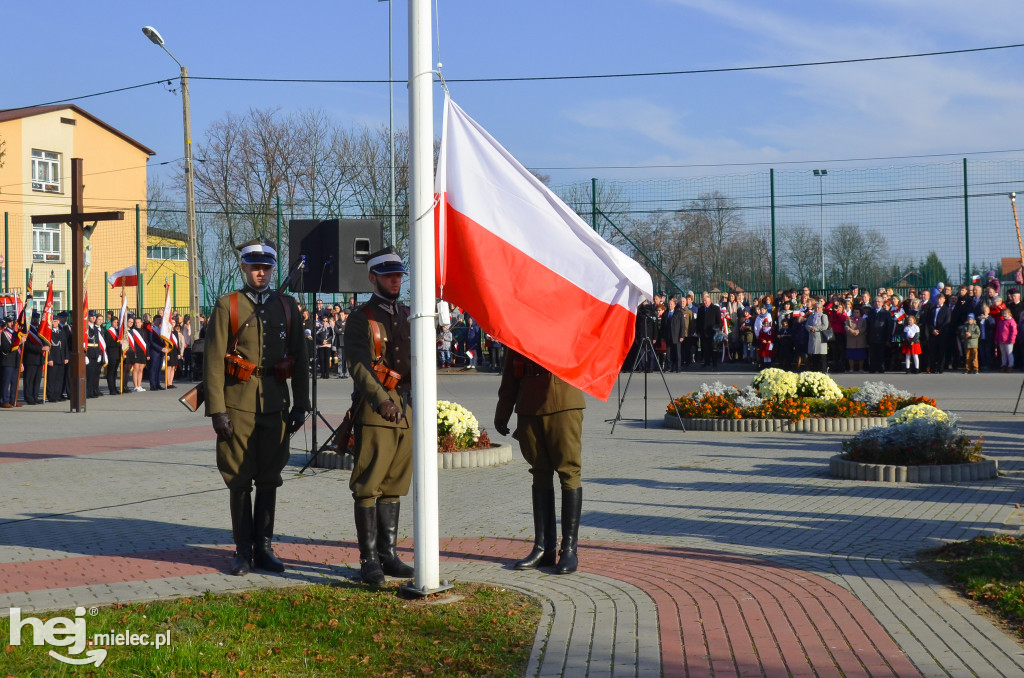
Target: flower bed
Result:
[[778, 394], [458, 429]]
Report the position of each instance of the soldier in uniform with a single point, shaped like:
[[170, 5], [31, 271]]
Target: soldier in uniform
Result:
[[254, 344], [32, 361], [383, 417], [8, 363], [95, 356], [56, 361], [549, 429]]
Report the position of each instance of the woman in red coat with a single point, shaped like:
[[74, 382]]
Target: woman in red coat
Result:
[[766, 341]]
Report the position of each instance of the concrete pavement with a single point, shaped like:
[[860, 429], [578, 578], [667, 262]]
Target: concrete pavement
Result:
[[710, 554]]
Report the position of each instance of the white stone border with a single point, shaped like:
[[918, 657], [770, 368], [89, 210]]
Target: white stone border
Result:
[[496, 456], [945, 473], [809, 425]]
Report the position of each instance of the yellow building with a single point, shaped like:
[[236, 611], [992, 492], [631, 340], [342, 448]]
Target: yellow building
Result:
[[35, 178], [166, 263]]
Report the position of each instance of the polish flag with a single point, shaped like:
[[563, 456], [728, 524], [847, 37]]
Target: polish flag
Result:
[[126, 277], [526, 267], [165, 325], [45, 331]]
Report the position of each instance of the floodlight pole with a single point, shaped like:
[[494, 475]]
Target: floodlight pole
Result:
[[821, 173]]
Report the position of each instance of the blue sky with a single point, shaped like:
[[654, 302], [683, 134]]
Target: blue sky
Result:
[[935, 105]]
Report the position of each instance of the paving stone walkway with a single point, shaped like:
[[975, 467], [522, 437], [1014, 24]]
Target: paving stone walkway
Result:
[[702, 554]]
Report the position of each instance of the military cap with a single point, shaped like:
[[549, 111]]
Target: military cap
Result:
[[93, 313], [259, 251], [385, 261]]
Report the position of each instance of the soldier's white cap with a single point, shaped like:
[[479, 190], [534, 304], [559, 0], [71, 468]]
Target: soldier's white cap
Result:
[[260, 251], [385, 261]]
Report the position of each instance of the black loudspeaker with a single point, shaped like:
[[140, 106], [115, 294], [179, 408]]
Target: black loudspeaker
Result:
[[336, 251]]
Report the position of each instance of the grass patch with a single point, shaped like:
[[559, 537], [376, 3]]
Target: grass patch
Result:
[[988, 570], [343, 629]]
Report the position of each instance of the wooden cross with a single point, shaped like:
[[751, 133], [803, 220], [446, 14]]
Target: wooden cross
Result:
[[77, 219]]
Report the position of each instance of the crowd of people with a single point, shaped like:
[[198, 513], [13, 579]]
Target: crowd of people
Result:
[[126, 359], [971, 327]]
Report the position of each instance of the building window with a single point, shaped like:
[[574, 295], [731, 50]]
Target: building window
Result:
[[45, 171], [165, 253], [46, 242]]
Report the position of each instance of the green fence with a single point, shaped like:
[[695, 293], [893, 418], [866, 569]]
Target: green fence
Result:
[[823, 227]]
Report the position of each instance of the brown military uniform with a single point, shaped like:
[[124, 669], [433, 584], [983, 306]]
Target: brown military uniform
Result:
[[258, 450], [383, 465], [550, 420]]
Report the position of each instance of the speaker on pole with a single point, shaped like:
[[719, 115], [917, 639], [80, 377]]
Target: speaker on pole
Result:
[[336, 251]]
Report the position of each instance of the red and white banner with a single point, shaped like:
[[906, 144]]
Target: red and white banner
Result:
[[122, 317], [165, 324], [45, 331], [526, 267], [126, 277]]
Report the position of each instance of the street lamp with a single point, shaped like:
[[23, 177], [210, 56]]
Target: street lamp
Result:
[[391, 120], [190, 195], [821, 173]]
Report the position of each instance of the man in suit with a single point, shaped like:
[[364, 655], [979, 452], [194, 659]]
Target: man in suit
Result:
[[674, 325], [34, 354], [247, 399], [157, 350], [925, 316], [57, 361], [939, 325], [880, 327], [8, 363], [114, 348], [709, 322], [95, 356], [378, 345]]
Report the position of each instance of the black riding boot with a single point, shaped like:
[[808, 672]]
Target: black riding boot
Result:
[[366, 532], [241, 530], [572, 503], [546, 544], [263, 557], [387, 540]]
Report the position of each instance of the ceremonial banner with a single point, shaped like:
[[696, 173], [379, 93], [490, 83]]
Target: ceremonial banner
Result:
[[528, 268], [126, 277]]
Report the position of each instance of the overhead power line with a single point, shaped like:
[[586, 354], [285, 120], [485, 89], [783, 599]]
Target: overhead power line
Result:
[[536, 78]]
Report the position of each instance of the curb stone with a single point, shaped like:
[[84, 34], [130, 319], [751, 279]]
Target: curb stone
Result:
[[497, 455], [986, 469], [809, 425]]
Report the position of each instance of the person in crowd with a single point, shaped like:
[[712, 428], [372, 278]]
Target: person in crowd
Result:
[[1006, 335], [880, 330], [57, 360], [95, 355], [185, 328], [339, 342], [259, 333], [911, 345], [766, 342], [472, 343], [817, 340], [856, 340], [444, 346], [801, 338], [747, 336], [8, 363], [324, 344], [113, 349], [709, 323], [836, 310], [939, 326], [173, 352], [673, 333], [986, 339], [689, 311], [970, 338], [156, 350], [549, 428], [140, 355], [992, 282], [378, 339]]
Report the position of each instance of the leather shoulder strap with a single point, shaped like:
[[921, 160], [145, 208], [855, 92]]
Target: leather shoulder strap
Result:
[[378, 339], [233, 313]]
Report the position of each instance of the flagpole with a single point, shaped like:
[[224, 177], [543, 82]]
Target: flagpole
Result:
[[120, 338], [426, 579], [167, 344], [46, 363]]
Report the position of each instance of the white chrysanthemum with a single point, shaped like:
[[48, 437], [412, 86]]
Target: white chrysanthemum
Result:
[[774, 383], [818, 385], [457, 420], [917, 411]]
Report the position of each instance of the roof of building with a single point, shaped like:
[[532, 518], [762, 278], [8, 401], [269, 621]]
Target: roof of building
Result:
[[167, 234], [29, 111]]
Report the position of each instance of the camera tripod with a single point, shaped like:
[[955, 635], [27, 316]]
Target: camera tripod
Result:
[[644, 355]]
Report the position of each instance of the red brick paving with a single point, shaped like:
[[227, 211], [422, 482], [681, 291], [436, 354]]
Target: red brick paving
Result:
[[719, 615], [112, 442]]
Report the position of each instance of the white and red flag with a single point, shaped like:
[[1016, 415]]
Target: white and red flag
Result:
[[126, 277], [165, 325], [122, 316], [532, 272]]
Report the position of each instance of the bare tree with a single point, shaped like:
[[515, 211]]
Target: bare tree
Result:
[[802, 250], [708, 224], [855, 254]]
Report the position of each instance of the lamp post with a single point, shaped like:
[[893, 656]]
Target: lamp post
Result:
[[391, 119], [821, 173], [190, 196]]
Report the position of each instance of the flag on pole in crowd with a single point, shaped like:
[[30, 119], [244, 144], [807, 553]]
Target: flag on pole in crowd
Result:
[[526, 266], [165, 325], [122, 317], [126, 277], [45, 331], [899, 314]]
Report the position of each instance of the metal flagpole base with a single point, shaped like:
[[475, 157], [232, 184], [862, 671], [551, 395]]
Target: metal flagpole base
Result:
[[411, 590]]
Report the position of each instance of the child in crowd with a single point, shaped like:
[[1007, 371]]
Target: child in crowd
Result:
[[987, 333], [970, 336], [856, 340], [747, 336], [783, 345], [1006, 335], [445, 345], [911, 344], [766, 342]]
